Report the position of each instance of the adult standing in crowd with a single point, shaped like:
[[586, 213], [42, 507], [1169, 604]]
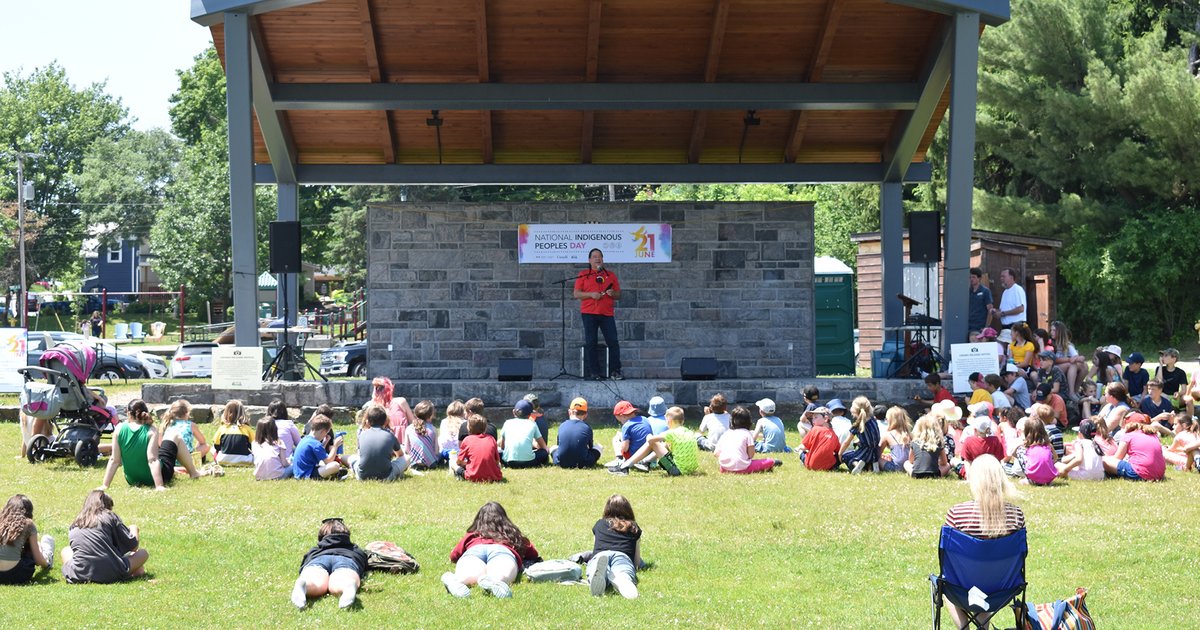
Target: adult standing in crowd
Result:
[[979, 302], [598, 289], [1012, 301]]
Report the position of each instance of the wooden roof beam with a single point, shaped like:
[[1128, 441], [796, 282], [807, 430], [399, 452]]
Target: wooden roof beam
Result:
[[816, 69], [375, 74], [910, 127], [272, 121], [592, 66], [481, 43], [712, 61]]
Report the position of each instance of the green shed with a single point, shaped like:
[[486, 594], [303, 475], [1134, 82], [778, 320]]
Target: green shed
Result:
[[833, 294]]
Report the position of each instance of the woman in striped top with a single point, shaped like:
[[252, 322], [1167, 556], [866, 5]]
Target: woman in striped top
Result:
[[989, 515]]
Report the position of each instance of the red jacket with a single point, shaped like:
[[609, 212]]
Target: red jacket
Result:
[[589, 281]]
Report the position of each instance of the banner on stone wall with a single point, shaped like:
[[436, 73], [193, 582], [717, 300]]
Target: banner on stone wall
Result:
[[570, 243]]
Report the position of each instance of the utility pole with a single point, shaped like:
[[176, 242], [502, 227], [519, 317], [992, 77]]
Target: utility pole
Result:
[[24, 193]]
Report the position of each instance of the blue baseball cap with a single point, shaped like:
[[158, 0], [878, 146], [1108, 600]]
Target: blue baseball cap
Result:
[[523, 408], [835, 404]]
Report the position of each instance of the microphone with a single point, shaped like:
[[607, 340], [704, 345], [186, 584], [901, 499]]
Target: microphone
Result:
[[600, 268]]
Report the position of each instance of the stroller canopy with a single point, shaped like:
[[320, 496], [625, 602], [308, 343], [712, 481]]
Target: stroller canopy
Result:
[[77, 358]]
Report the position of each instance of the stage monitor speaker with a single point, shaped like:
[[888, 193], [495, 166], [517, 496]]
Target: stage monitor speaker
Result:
[[698, 368], [515, 370], [925, 237], [285, 247]]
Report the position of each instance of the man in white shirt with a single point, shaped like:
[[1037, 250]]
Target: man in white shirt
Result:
[[1012, 301]]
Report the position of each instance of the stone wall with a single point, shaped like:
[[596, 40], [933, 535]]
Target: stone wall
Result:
[[448, 297]]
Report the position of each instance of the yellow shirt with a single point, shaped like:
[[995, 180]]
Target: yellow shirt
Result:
[[980, 395], [1020, 352]]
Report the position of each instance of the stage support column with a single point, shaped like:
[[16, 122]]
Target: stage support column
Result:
[[288, 209], [243, 235], [891, 238], [960, 176]]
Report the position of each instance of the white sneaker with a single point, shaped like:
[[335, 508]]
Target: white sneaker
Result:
[[47, 547], [346, 599], [625, 587], [498, 588], [454, 586], [858, 467], [616, 462], [300, 594]]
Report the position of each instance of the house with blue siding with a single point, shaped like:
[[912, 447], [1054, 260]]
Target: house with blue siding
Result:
[[122, 266]]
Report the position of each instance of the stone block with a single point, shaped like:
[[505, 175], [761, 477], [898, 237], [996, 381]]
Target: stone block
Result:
[[640, 212], [735, 232], [531, 339]]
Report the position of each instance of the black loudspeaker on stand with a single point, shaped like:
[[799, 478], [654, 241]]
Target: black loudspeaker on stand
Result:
[[285, 247], [925, 237]]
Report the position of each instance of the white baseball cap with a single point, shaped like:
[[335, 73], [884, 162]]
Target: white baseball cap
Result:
[[766, 405]]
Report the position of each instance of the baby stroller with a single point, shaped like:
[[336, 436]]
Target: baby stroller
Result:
[[65, 394]]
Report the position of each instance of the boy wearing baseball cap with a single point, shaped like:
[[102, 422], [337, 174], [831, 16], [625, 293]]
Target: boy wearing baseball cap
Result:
[[521, 442], [769, 436], [631, 439], [1135, 377], [575, 446]]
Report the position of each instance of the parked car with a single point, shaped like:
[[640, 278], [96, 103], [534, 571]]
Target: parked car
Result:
[[112, 363], [347, 358], [193, 359], [154, 365]]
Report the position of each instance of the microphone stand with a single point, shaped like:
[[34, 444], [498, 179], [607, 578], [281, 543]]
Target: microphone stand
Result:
[[562, 306]]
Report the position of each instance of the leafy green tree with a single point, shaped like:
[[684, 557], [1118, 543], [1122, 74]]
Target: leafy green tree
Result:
[[199, 103], [125, 180], [43, 113], [1088, 118]]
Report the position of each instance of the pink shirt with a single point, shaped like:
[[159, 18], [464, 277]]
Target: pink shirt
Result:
[[289, 435], [1145, 455], [731, 449], [1039, 464]]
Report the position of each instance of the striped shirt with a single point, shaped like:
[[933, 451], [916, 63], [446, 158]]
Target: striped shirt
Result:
[[965, 517]]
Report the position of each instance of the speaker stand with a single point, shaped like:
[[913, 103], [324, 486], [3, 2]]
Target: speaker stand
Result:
[[562, 308]]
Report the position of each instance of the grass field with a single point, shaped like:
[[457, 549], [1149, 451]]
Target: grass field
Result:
[[784, 549]]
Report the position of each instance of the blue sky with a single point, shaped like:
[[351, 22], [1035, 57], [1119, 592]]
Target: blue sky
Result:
[[134, 45]]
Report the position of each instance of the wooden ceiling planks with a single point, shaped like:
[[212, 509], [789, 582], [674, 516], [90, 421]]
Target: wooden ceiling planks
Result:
[[636, 41]]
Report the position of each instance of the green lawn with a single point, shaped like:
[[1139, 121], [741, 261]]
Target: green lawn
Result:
[[784, 549]]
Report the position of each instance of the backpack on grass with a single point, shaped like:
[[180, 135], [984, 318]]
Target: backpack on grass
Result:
[[384, 555]]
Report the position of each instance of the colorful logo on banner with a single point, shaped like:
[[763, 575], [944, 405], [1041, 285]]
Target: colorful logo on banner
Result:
[[13, 345], [570, 243]]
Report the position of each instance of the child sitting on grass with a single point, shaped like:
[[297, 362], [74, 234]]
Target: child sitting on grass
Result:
[[819, 450], [289, 435], [735, 449], [380, 456], [617, 551], [865, 455], [234, 437], [769, 436], [714, 423], [478, 457], [311, 460], [21, 553], [456, 416], [927, 458], [1185, 445], [270, 459], [335, 566], [521, 441], [897, 441], [491, 554], [1038, 458], [102, 549], [177, 421], [423, 451]]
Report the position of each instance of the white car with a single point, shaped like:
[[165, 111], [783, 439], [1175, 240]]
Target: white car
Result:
[[156, 366], [193, 359]]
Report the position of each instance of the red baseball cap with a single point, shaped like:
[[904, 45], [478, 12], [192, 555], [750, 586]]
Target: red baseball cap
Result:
[[623, 408]]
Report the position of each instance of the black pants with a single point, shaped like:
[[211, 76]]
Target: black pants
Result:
[[22, 573], [540, 458], [608, 327], [168, 452]]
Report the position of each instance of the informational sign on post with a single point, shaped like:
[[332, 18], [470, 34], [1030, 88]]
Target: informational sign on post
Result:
[[237, 367], [966, 358], [13, 346]]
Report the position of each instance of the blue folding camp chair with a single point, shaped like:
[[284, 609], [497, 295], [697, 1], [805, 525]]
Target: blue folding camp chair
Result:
[[980, 576]]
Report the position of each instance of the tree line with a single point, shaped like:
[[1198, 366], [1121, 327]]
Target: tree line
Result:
[[1088, 115]]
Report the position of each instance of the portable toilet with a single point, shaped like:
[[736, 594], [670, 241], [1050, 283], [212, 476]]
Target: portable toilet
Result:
[[833, 296]]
